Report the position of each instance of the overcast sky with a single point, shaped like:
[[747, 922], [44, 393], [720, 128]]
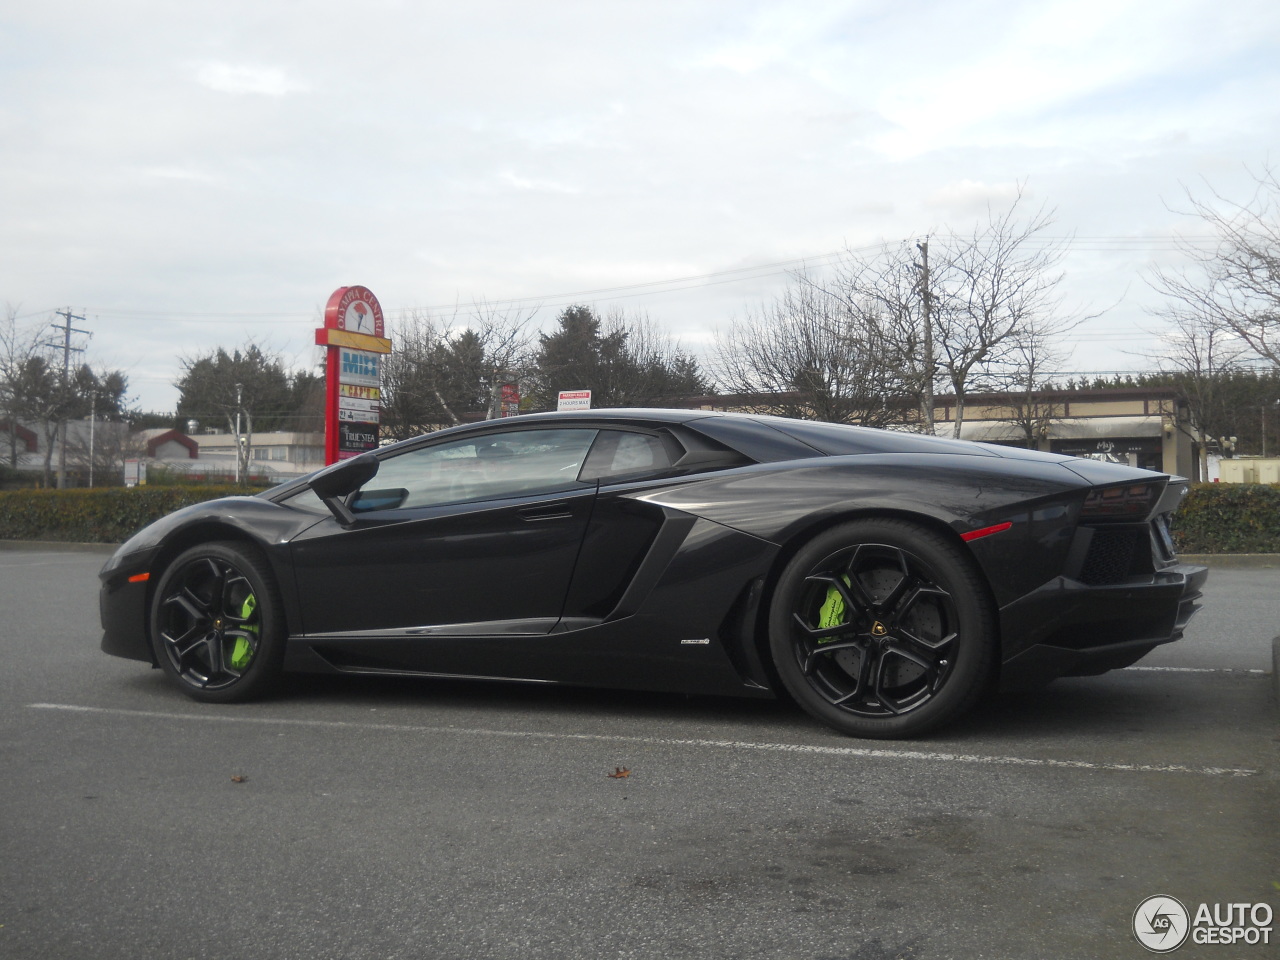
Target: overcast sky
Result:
[[188, 175]]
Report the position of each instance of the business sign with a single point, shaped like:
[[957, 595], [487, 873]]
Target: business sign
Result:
[[354, 342], [356, 438], [509, 400], [370, 409], [574, 400], [354, 310], [359, 367]]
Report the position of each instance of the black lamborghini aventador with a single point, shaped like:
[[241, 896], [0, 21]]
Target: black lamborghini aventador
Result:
[[883, 580]]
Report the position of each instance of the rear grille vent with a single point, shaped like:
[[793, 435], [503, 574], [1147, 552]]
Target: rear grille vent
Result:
[[1114, 555]]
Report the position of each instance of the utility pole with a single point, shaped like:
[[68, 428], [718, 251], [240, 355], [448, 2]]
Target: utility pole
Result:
[[926, 297], [67, 349], [239, 442]]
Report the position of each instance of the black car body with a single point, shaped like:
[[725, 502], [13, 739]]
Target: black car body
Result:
[[884, 579]]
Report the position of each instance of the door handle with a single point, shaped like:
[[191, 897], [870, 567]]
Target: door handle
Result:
[[547, 511]]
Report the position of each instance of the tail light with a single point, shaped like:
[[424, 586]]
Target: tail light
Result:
[[1121, 501]]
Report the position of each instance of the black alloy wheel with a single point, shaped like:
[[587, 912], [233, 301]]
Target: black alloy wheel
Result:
[[216, 623], [882, 629]]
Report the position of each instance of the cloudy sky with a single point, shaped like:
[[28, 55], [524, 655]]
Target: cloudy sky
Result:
[[187, 175]]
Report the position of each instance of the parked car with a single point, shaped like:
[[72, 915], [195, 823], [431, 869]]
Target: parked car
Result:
[[883, 580]]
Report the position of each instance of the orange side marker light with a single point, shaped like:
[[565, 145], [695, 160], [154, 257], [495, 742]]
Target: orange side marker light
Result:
[[986, 531]]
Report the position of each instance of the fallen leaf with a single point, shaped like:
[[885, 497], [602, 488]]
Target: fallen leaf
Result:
[[619, 773], [238, 779]]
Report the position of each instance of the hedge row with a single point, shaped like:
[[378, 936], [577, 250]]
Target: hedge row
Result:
[[1214, 518], [1229, 518], [107, 515]]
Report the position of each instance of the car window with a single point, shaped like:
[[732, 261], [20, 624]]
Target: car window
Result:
[[620, 455], [307, 501], [490, 467]]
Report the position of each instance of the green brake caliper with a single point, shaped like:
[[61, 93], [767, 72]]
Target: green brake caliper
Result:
[[831, 613], [242, 651]]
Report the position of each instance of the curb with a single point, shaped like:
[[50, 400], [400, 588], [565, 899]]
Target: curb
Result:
[[1250, 560]]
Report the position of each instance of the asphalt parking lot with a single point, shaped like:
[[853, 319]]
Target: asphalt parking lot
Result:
[[438, 819]]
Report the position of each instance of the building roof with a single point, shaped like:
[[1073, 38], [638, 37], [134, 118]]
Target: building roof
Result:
[[159, 436]]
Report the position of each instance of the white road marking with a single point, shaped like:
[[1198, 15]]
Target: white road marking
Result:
[[852, 752], [1197, 670], [41, 563]]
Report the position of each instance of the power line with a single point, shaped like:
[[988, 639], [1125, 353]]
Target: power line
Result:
[[1070, 243]]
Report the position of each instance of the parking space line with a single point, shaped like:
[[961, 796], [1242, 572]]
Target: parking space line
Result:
[[1198, 670], [850, 752]]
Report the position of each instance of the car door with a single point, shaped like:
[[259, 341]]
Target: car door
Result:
[[472, 536]]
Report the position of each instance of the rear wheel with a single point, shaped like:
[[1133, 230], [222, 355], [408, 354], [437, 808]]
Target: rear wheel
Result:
[[881, 628], [217, 625]]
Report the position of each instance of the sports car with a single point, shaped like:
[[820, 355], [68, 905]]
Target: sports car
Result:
[[882, 580]]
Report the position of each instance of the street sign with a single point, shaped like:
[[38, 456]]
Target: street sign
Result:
[[574, 400]]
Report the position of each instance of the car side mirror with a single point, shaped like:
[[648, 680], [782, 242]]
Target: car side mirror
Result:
[[341, 479]]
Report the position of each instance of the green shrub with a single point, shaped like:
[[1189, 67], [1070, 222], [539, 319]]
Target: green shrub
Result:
[[108, 515], [1229, 518]]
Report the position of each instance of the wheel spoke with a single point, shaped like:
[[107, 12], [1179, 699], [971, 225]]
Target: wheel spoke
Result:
[[184, 646], [924, 663], [920, 591], [878, 669], [926, 648], [826, 650], [820, 634], [228, 609], [905, 581], [849, 588], [195, 608], [213, 648]]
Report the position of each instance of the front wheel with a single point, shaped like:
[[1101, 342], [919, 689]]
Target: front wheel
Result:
[[881, 628], [217, 625]]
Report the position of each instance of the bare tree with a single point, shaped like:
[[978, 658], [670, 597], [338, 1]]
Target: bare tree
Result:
[[1032, 402], [1235, 286], [874, 340], [19, 346], [442, 370], [993, 292], [816, 353], [888, 295], [506, 337], [1200, 357]]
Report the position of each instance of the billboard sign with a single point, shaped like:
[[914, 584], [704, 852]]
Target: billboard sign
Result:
[[353, 335]]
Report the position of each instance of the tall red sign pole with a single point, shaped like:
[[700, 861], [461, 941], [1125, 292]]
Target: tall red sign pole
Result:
[[354, 338]]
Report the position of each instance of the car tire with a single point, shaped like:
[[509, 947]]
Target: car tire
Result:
[[217, 623], [882, 628]]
